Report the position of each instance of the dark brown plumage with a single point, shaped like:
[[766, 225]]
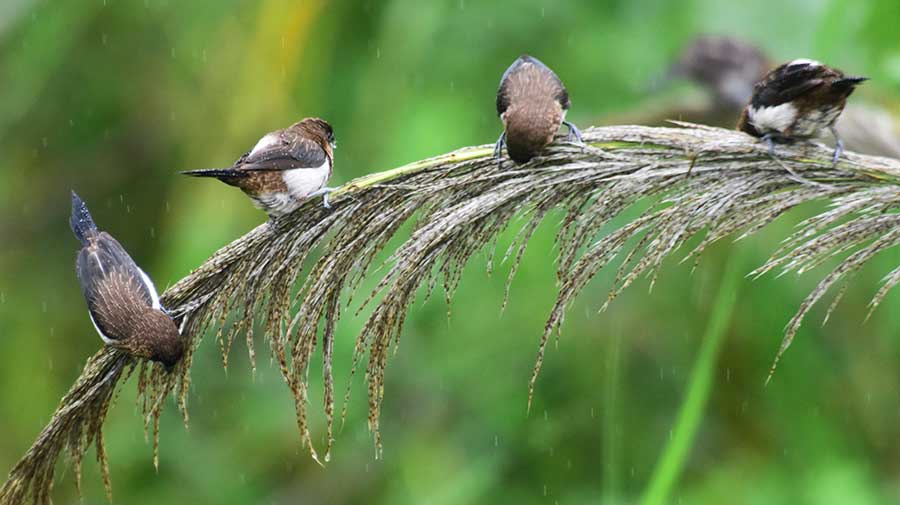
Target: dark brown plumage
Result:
[[122, 302], [284, 168], [532, 103], [797, 101], [726, 66]]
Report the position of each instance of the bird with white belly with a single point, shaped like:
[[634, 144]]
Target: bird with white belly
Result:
[[284, 168]]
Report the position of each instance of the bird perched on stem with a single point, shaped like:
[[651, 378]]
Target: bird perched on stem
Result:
[[122, 302], [284, 168], [797, 101], [532, 103]]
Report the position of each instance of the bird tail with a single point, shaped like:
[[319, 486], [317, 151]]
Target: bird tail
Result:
[[848, 83], [81, 221], [218, 173]]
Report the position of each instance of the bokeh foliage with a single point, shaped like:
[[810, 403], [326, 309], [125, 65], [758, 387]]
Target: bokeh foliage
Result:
[[113, 97]]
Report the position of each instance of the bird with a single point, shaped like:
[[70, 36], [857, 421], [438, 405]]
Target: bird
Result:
[[726, 66], [798, 101], [532, 103], [122, 301], [284, 168]]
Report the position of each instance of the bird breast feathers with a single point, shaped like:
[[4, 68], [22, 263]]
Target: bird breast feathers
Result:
[[303, 181], [775, 118]]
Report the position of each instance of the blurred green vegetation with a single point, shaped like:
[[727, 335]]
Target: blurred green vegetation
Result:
[[113, 97]]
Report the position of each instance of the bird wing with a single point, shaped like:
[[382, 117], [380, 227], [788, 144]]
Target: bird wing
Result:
[[286, 154], [787, 83], [539, 75], [115, 288]]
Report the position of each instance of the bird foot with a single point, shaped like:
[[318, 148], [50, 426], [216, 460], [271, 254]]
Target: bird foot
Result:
[[498, 148], [324, 192]]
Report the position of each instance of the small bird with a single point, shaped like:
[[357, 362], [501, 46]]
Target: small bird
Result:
[[532, 103], [284, 168], [122, 302], [797, 101], [728, 67]]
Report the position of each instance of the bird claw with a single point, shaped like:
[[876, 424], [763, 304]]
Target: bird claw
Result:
[[498, 148], [573, 132], [324, 192], [838, 147]]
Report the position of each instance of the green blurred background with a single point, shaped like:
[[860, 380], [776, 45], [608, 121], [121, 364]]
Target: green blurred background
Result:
[[113, 97]]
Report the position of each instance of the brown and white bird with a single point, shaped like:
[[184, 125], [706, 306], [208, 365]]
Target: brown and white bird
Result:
[[122, 302], [532, 103], [798, 101], [284, 168]]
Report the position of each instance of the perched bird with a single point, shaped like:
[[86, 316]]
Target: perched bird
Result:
[[122, 301], [284, 168], [726, 66], [798, 100], [532, 103]]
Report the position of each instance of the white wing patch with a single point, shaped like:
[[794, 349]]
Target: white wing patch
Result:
[[268, 140], [778, 118], [805, 61], [106, 340], [154, 296]]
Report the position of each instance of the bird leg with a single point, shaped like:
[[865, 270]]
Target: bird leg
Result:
[[769, 139], [838, 146], [498, 147], [573, 132], [324, 192]]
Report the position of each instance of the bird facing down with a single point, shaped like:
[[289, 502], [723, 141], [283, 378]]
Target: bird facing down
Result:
[[122, 301], [727, 66], [797, 100], [284, 168], [532, 103]]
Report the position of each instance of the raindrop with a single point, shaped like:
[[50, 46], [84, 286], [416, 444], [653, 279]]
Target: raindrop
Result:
[[71, 122], [44, 141], [545, 489], [367, 468], [546, 416], [2, 297], [50, 363], [496, 441], [728, 375], [168, 208], [378, 53], [568, 464], [552, 452], [52, 331], [592, 412], [152, 232], [631, 472], [744, 406], [128, 209], [44, 307], [103, 39], [543, 12], [462, 5]]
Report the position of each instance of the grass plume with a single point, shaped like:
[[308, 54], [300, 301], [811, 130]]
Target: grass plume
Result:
[[695, 179]]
